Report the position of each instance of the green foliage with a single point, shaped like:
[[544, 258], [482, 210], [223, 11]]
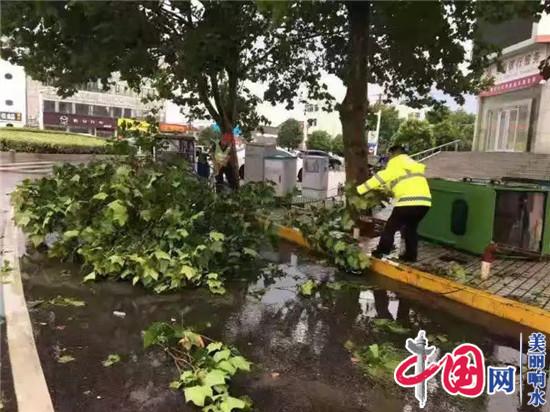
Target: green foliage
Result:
[[377, 360], [66, 301], [111, 360], [319, 140], [133, 139], [457, 125], [390, 326], [437, 114], [389, 124], [414, 134], [207, 136], [290, 134], [329, 229], [308, 287], [338, 145], [41, 141], [206, 367], [148, 223]]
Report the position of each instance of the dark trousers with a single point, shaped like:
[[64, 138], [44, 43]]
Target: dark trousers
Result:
[[406, 220], [228, 175]]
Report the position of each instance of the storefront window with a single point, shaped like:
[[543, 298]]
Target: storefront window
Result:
[[127, 112], [82, 109], [507, 128], [100, 111], [49, 106], [65, 107], [116, 112]]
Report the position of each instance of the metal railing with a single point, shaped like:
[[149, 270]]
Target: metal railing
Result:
[[432, 151]]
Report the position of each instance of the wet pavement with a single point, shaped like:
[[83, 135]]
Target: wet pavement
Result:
[[297, 343]]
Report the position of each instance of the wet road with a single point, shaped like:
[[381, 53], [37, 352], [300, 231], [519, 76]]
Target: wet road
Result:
[[297, 344]]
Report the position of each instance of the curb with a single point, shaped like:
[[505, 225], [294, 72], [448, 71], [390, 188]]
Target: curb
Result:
[[29, 382], [505, 308]]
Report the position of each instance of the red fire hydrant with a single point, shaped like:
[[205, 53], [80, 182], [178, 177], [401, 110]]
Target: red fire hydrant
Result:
[[487, 259]]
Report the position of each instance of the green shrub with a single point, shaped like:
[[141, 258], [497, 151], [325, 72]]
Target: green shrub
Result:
[[46, 141]]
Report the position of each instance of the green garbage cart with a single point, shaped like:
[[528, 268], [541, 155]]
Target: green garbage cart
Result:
[[468, 215]]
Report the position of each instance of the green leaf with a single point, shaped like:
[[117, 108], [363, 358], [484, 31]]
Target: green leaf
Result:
[[70, 234], [135, 280], [230, 403], [250, 252], [66, 301], [65, 359], [374, 351], [197, 394], [161, 254], [216, 236], [36, 240], [175, 385], [111, 360], [227, 366], [306, 288], [75, 178], [240, 363], [100, 196], [214, 346], [88, 277], [222, 355], [120, 212], [214, 377], [188, 271]]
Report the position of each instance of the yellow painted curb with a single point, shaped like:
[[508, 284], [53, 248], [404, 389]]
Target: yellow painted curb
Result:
[[531, 316]]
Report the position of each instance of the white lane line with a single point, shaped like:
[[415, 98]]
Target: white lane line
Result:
[[29, 382]]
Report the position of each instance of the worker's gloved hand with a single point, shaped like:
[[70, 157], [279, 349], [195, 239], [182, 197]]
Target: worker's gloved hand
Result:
[[362, 189]]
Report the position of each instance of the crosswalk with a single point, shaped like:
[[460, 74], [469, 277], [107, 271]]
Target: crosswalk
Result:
[[39, 167]]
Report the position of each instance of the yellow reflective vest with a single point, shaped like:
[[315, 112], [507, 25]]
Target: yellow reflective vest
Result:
[[221, 157], [405, 178]]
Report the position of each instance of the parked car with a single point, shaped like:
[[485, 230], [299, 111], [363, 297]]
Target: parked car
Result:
[[334, 162]]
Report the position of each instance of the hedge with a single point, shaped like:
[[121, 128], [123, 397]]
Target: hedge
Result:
[[46, 141]]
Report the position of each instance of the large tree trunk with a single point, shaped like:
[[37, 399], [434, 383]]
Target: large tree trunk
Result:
[[353, 110]]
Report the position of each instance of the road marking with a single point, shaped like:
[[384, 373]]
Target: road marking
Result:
[[29, 382]]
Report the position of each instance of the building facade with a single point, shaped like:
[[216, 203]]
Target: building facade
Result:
[[25, 102], [13, 99], [514, 113], [90, 110]]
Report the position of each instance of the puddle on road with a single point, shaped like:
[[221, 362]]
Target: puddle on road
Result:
[[296, 343]]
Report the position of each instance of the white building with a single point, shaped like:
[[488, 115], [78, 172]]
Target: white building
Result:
[[13, 110], [514, 114], [90, 110], [27, 102]]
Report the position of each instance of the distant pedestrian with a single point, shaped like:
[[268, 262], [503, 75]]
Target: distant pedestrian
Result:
[[405, 178]]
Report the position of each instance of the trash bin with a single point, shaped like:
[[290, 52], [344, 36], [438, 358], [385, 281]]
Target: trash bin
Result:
[[469, 215], [254, 160], [315, 177], [281, 170]]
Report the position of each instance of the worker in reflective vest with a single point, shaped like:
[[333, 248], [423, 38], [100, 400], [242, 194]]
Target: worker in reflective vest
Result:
[[405, 178], [221, 153]]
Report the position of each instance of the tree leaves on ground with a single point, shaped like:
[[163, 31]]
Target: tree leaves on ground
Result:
[[205, 371], [152, 224]]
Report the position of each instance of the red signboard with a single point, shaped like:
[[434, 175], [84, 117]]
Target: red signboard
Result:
[[512, 85], [79, 120]]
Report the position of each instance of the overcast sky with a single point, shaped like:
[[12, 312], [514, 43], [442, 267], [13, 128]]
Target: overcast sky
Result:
[[278, 114]]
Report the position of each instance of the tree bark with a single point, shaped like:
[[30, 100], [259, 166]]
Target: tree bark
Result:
[[353, 109]]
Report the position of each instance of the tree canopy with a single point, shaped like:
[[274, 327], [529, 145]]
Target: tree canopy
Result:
[[198, 54], [290, 134], [320, 140], [415, 135]]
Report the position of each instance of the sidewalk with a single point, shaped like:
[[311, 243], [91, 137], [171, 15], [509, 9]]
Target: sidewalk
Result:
[[527, 281]]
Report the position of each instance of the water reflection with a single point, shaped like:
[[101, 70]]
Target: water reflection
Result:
[[296, 342]]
